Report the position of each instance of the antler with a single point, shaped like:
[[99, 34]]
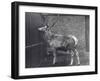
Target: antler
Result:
[[54, 22], [45, 18], [46, 22]]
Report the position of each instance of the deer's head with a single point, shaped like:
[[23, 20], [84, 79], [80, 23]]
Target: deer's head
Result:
[[44, 28], [48, 35], [46, 22]]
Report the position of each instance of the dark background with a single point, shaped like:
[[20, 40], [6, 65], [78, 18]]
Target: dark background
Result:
[[66, 24]]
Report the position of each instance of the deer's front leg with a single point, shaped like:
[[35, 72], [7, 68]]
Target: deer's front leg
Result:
[[54, 56], [72, 57]]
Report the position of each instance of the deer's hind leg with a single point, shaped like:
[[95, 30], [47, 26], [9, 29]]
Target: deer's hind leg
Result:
[[77, 56]]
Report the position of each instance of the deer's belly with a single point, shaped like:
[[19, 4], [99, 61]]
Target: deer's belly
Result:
[[55, 43]]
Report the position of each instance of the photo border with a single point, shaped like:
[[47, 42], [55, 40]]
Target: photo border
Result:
[[15, 39]]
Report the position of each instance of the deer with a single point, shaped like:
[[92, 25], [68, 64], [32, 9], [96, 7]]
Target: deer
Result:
[[55, 41]]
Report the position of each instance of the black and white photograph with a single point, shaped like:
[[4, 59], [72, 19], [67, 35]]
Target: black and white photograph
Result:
[[50, 40], [56, 40]]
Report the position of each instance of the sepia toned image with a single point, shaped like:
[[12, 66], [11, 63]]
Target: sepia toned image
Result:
[[56, 40]]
